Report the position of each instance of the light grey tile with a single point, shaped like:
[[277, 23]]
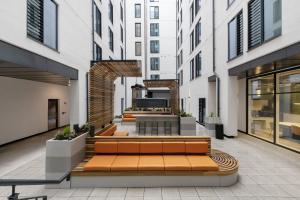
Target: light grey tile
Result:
[[100, 192], [206, 192], [135, 192], [82, 192], [188, 192]]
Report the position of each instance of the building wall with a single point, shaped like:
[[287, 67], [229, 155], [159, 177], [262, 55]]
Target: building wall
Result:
[[24, 107], [167, 37], [232, 90]]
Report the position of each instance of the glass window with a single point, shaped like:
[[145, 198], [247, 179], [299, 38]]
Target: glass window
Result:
[[154, 29], [97, 52], [42, 21], [154, 46], [272, 18], [111, 39], [154, 77], [111, 12], [235, 33], [198, 63], [137, 10], [121, 12], [261, 107], [50, 23], [288, 109], [138, 30], [154, 12], [122, 33], [192, 42], [192, 70], [192, 14], [198, 33], [138, 48], [155, 63], [97, 21], [197, 6]]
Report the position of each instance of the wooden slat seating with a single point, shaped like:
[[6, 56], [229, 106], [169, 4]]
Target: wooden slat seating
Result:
[[128, 117], [111, 130], [154, 156]]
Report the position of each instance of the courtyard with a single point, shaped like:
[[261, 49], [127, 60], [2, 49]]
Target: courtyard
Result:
[[266, 172]]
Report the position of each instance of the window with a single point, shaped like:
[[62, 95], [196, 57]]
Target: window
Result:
[[154, 77], [229, 2], [154, 29], [198, 33], [122, 53], [154, 12], [181, 57], [180, 37], [42, 22], [192, 14], [197, 6], [155, 63], [181, 77], [138, 30], [198, 63], [97, 21], [192, 70], [111, 12], [154, 46], [192, 40], [121, 34], [121, 12], [111, 39], [235, 36], [97, 52], [264, 21], [137, 11], [138, 48]]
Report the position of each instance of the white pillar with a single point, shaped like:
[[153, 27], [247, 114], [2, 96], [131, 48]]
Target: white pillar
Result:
[[78, 100], [229, 104]]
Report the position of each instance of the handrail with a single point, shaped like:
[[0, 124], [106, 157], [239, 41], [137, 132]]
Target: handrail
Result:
[[10, 182], [14, 182]]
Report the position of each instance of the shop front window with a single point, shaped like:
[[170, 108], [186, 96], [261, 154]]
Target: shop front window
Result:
[[288, 109], [261, 107]]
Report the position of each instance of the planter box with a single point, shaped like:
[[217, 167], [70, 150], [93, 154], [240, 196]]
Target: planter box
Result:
[[62, 156], [188, 126], [210, 122]]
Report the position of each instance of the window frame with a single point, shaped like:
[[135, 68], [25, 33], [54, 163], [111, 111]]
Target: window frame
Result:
[[154, 41], [135, 10], [135, 48], [158, 64], [154, 16], [238, 54], [154, 25], [136, 30]]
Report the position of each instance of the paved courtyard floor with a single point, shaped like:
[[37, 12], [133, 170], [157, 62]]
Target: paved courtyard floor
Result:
[[266, 172]]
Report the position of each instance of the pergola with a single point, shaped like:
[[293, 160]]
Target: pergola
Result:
[[172, 84], [101, 88]]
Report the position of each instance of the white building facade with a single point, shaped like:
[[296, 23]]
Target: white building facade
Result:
[[240, 62], [46, 52], [150, 38]]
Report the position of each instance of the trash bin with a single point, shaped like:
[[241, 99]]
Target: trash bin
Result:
[[219, 131]]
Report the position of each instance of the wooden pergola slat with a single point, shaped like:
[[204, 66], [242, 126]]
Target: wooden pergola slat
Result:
[[101, 88]]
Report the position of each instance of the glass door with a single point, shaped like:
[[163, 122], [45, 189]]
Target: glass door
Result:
[[288, 109], [261, 107]]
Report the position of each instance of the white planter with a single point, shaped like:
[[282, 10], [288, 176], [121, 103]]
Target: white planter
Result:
[[62, 156], [210, 122], [188, 126]]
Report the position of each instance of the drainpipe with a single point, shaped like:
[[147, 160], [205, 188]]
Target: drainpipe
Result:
[[125, 48], [214, 58], [145, 37]]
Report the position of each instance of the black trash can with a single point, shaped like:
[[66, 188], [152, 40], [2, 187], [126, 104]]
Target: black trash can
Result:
[[219, 131]]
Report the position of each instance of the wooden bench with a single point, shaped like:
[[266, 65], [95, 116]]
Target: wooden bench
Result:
[[133, 168], [128, 118], [111, 130]]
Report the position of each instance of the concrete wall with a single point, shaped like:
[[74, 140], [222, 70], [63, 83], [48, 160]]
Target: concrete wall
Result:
[[24, 107]]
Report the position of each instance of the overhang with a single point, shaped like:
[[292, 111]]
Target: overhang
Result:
[[281, 59], [20, 63]]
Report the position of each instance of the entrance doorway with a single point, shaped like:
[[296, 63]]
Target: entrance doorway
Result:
[[202, 107], [52, 114]]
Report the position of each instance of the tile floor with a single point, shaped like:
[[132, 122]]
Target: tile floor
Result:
[[266, 172]]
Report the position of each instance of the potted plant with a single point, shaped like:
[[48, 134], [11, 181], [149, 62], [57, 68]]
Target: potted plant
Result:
[[65, 151], [187, 124]]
